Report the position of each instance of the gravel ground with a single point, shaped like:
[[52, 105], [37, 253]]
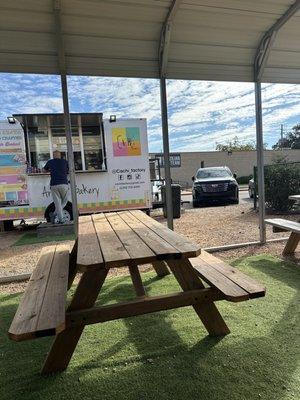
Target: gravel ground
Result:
[[210, 226]]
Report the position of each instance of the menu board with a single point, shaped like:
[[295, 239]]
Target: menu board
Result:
[[13, 184]]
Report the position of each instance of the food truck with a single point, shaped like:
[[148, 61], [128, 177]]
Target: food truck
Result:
[[110, 157]]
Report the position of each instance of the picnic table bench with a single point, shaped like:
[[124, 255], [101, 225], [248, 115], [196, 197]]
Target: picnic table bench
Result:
[[291, 226], [295, 197], [122, 239], [285, 225]]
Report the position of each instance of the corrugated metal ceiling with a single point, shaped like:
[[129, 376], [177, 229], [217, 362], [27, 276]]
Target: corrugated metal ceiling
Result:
[[211, 39]]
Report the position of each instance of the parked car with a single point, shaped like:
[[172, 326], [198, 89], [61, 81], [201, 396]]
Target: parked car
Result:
[[251, 188], [215, 183]]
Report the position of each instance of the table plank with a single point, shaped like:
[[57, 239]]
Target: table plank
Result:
[[139, 252], [158, 245], [181, 243], [113, 250], [89, 252]]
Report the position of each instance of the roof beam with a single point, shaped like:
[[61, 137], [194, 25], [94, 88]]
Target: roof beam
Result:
[[59, 37], [267, 41], [165, 38]]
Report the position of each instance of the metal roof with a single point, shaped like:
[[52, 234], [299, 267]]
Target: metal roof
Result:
[[210, 40]]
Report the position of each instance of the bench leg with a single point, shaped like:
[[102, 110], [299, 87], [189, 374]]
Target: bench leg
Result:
[[72, 265], [291, 244], [207, 312], [65, 342], [160, 268]]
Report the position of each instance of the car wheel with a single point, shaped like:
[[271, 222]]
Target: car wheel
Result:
[[195, 203]]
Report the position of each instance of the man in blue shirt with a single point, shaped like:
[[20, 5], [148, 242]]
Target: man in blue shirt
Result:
[[59, 169]]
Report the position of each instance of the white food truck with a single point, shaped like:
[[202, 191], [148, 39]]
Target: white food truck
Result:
[[110, 156]]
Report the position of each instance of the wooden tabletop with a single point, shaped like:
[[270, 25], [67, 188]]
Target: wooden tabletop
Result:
[[128, 238], [295, 197]]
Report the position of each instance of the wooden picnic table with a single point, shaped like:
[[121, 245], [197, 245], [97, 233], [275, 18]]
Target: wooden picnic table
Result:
[[121, 239], [295, 197]]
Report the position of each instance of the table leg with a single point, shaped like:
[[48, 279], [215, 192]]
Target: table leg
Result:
[[207, 312], [137, 280], [160, 268], [291, 244], [65, 342]]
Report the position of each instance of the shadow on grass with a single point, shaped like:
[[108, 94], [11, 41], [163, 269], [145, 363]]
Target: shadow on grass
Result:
[[167, 355]]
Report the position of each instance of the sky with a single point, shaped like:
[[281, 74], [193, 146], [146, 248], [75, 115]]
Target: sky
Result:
[[201, 113]]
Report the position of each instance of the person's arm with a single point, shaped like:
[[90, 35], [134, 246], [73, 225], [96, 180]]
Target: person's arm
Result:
[[46, 167]]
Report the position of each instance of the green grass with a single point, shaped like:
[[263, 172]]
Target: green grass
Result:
[[168, 355], [33, 238]]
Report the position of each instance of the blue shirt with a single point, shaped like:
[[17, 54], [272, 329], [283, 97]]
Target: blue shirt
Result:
[[59, 169]]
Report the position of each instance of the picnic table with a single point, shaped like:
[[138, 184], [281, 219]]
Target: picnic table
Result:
[[295, 197], [122, 239]]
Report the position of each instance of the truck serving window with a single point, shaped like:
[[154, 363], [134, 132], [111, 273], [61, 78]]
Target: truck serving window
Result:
[[38, 141], [46, 133]]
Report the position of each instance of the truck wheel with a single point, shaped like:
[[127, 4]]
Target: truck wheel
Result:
[[8, 225], [68, 212]]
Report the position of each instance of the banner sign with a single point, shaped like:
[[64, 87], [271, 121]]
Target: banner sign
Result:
[[13, 185], [175, 160]]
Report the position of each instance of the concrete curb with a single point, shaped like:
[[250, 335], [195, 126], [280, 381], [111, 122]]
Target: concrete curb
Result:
[[14, 278]]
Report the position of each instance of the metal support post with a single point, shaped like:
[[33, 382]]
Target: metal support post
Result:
[[260, 163], [67, 117], [68, 128], [165, 133]]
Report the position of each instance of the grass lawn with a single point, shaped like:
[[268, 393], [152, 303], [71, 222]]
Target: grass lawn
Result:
[[33, 238], [168, 355]]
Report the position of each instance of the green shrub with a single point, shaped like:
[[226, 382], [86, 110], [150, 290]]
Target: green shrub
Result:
[[243, 180], [281, 181]]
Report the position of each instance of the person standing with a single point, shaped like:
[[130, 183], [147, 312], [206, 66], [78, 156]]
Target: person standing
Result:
[[59, 169]]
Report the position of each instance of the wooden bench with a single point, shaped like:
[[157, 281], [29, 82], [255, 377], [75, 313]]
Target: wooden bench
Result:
[[232, 283], [41, 311], [290, 226]]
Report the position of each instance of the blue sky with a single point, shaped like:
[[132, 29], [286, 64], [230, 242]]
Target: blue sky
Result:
[[201, 113]]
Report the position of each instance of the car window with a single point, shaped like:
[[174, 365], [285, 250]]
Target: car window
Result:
[[213, 173]]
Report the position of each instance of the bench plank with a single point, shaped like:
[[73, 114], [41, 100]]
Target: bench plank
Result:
[[286, 224], [89, 252], [53, 310], [181, 243], [250, 285], [41, 310], [231, 290]]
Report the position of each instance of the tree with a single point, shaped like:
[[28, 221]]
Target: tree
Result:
[[291, 141], [235, 145]]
